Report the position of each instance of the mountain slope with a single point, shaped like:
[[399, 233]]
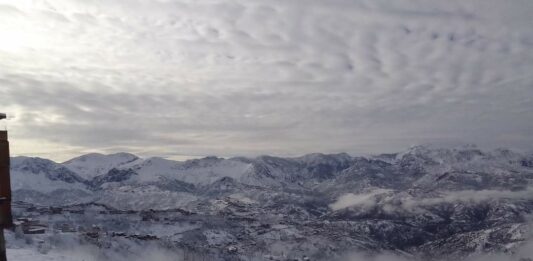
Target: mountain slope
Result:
[[91, 165], [43, 175]]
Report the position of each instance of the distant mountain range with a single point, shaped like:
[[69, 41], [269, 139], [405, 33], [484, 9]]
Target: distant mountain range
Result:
[[428, 201]]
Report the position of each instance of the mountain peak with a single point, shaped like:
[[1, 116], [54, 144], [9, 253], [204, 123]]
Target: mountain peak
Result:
[[95, 164], [314, 157], [98, 156]]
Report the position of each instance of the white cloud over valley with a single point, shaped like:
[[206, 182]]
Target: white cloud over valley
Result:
[[390, 201]]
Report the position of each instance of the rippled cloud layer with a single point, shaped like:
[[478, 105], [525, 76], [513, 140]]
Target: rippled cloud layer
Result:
[[233, 77]]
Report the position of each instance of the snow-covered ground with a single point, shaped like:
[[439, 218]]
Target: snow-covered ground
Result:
[[34, 255]]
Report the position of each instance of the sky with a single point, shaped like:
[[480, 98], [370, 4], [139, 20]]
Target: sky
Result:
[[190, 78]]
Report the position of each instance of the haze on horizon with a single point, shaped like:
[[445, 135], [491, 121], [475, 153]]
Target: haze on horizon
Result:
[[183, 78]]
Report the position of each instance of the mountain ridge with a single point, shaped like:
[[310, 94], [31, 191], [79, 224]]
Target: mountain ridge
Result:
[[408, 202]]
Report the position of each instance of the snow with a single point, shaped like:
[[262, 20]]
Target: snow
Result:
[[34, 255], [242, 198], [203, 172], [41, 183], [152, 168], [205, 175], [91, 165], [145, 197], [87, 253], [31, 174], [167, 230], [218, 237]]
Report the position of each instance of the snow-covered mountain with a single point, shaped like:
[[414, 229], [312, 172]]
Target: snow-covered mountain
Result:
[[425, 201], [43, 175], [91, 165]]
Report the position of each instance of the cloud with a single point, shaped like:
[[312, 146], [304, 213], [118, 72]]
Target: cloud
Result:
[[367, 200], [477, 196], [390, 201], [252, 77]]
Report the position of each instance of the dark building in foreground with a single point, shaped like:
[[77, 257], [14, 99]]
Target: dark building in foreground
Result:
[[6, 220]]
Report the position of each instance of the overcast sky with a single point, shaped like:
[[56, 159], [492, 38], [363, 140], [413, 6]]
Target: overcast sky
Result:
[[187, 78]]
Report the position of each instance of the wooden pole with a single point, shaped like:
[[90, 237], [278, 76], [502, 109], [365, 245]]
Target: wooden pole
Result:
[[6, 219], [3, 256]]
